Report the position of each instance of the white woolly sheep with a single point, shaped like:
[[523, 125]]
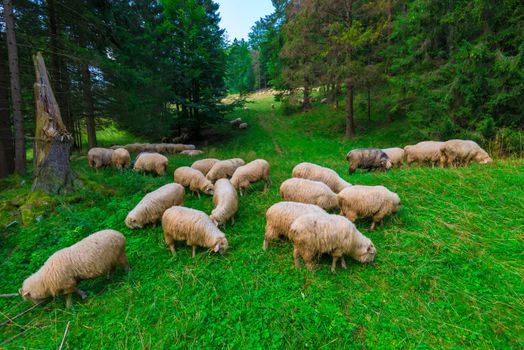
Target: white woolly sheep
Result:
[[224, 169], [150, 209], [95, 255], [316, 172], [194, 179], [236, 122], [225, 200], [99, 157], [308, 191], [423, 152], [194, 227], [280, 216], [318, 233], [243, 126], [179, 147], [121, 158], [454, 152], [192, 153], [257, 170], [204, 165], [396, 155], [368, 158], [375, 202], [151, 163]]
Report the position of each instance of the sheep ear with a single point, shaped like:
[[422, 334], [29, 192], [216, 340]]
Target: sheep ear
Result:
[[217, 248], [27, 294]]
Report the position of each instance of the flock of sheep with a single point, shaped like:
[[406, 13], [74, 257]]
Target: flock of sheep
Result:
[[303, 215]]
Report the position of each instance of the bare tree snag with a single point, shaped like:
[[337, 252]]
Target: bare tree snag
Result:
[[52, 172]]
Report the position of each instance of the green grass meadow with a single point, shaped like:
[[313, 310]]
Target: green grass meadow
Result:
[[448, 273]]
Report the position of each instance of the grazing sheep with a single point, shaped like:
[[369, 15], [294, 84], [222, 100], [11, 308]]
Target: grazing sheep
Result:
[[151, 163], [368, 158], [315, 172], [423, 152], [375, 202], [192, 153], [121, 158], [194, 227], [224, 169], [99, 157], [95, 255], [179, 147], [193, 178], [204, 165], [243, 126], [308, 191], [318, 233], [135, 148], [117, 147], [257, 170], [154, 204], [396, 155], [226, 202], [455, 152], [236, 122], [280, 216]]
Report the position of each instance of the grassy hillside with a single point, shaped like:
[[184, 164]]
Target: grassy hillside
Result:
[[448, 271]]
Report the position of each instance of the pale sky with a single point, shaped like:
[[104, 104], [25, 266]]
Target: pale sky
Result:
[[238, 16]]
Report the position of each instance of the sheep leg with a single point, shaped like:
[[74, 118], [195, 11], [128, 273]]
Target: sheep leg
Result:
[[172, 247], [266, 244], [343, 262], [194, 251], [233, 220], [372, 225], [110, 273], [124, 262], [308, 260], [334, 264], [69, 300], [296, 255]]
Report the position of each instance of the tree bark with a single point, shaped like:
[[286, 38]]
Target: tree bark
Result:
[[89, 109], [350, 122], [7, 147], [52, 173], [18, 118]]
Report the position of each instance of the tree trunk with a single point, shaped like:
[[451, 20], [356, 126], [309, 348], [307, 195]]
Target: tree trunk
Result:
[[369, 104], [18, 119], [52, 173], [88, 106], [7, 147], [306, 104], [350, 122]]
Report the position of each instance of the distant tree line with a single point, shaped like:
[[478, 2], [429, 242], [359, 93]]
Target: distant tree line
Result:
[[155, 68], [452, 66]]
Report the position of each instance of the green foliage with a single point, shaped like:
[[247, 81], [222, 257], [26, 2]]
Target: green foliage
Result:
[[448, 271], [240, 76]]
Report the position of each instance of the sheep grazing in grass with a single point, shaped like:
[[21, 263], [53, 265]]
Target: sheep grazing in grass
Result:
[[192, 153], [280, 216], [151, 163], [95, 255], [179, 147], [194, 227], [318, 233], [308, 191], [368, 158], [204, 165], [99, 157], [423, 152], [150, 209], [121, 158], [316, 172], [225, 200], [224, 169], [243, 126], [194, 179], [236, 122], [396, 155], [375, 202], [456, 152], [257, 170]]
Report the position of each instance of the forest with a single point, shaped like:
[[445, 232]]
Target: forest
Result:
[[166, 185]]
